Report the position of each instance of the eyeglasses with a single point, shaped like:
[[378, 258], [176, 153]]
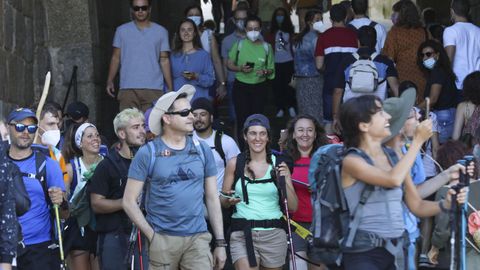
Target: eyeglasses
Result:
[[21, 127], [138, 8], [183, 113], [427, 54]]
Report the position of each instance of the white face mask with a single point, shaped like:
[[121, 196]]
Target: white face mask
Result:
[[253, 35], [51, 137], [319, 27], [196, 19], [429, 63]]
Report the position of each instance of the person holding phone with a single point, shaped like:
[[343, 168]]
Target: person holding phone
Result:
[[253, 61], [190, 63], [251, 185]]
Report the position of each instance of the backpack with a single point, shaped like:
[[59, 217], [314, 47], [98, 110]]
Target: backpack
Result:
[[333, 226], [371, 24], [219, 127], [154, 153], [363, 75], [239, 47]]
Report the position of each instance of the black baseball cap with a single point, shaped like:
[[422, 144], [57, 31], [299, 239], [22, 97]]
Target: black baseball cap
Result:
[[77, 110]]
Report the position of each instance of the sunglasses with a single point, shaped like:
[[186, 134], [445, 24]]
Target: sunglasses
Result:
[[427, 54], [138, 8], [21, 127], [183, 113]]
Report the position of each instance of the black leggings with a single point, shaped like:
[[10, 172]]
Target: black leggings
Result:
[[248, 99]]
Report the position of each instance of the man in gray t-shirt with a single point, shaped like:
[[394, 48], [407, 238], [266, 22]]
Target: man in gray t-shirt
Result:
[[181, 177], [140, 51]]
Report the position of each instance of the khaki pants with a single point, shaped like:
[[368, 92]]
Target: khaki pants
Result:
[[168, 252], [138, 98]]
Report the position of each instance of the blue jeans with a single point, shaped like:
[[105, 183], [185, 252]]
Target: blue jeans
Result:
[[231, 106], [445, 119], [112, 249]]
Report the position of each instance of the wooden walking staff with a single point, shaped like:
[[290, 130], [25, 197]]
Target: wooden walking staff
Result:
[[41, 103]]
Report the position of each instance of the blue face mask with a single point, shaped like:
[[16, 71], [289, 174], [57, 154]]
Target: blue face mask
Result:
[[429, 63], [280, 19], [196, 19]]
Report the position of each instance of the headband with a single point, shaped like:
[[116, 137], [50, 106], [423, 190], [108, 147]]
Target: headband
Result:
[[80, 131]]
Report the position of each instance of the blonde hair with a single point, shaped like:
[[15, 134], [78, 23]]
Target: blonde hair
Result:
[[122, 118]]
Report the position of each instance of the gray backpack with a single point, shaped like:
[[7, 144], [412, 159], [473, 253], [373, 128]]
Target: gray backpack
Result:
[[363, 75]]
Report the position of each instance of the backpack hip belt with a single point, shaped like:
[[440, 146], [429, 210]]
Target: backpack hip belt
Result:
[[365, 241], [246, 225]]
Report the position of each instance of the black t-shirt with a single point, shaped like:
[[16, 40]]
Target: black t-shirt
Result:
[[447, 97], [109, 180]]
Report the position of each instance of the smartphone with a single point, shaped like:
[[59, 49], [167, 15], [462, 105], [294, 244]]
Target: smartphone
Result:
[[250, 64], [427, 108], [233, 196]]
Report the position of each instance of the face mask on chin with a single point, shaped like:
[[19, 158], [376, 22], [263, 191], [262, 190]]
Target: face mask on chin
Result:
[[51, 137]]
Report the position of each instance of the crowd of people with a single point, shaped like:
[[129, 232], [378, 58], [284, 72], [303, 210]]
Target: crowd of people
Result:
[[176, 192]]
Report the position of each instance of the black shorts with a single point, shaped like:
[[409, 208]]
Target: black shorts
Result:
[[74, 240], [38, 257]]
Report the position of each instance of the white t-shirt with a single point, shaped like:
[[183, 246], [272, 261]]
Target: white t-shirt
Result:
[[380, 29], [230, 149], [466, 39]]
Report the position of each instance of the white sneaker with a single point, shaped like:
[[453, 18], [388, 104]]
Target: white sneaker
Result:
[[279, 114], [292, 112]]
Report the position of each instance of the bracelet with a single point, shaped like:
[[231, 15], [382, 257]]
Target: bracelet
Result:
[[442, 206], [220, 243]]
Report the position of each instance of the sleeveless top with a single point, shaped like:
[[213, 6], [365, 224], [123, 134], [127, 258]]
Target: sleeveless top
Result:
[[382, 213], [472, 123]]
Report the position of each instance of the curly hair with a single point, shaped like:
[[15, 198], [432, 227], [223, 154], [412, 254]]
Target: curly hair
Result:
[[449, 152], [471, 87], [320, 136], [443, 61]]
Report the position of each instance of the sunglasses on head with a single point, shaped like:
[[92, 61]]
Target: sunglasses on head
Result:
[[427, 54], [183, 113], [21, 127], [138, 8]]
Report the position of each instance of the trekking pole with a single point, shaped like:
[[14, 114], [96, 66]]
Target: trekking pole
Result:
[[467, 160], [140, 251], [63, 264], [453, 231], [285, 202]]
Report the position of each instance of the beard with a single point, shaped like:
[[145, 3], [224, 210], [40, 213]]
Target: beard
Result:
[[201, 129]]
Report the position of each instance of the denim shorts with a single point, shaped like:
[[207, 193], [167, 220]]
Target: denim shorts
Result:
[[445, 119]]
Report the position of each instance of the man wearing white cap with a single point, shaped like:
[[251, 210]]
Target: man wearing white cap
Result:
[[179, 173]]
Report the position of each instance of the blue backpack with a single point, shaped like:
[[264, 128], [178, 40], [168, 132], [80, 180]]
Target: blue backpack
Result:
[[333, 225]]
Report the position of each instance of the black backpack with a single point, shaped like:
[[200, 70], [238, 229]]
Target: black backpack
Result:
[[371, 24], [333, 225]]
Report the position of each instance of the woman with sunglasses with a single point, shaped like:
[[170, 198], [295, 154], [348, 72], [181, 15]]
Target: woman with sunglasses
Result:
[[190, 63], [440, 88], [365, 125], [210, 45], [83, 152], [258, 239], [304, 136]]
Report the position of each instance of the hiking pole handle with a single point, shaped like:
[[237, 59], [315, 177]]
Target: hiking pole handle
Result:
[[59, 232]]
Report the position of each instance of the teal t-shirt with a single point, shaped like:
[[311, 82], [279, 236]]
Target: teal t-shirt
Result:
[[255, 53], [263, 200]]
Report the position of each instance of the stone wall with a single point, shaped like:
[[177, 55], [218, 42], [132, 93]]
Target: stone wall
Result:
[[24, 58]]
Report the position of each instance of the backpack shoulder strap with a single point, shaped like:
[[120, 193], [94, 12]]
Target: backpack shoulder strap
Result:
[[117, 163], [365, 194], [372, 24], [373, 55], [151, 165], [239, 47], [351, 26], [41, 173], [240, 174], [200, 151], [356, 55], [219, 146]]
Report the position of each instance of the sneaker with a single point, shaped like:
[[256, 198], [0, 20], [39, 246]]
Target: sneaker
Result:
[[279, 114], [292, 112], [424, 261]]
